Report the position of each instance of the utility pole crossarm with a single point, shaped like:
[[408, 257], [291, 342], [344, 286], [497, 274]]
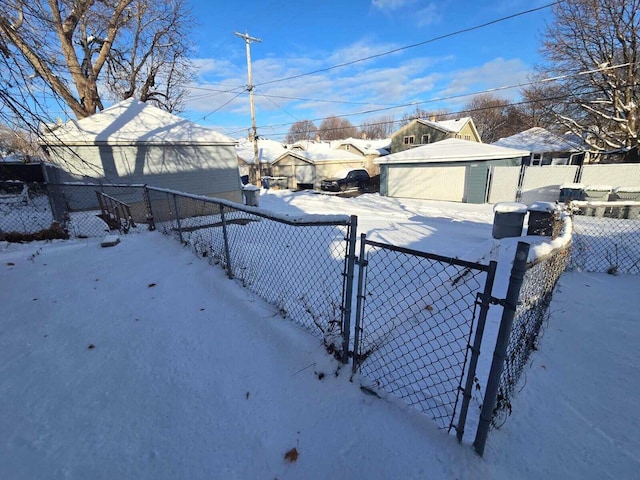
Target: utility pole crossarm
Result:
[[256, 161]]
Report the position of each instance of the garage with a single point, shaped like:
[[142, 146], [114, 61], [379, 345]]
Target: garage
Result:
[[452, 170]]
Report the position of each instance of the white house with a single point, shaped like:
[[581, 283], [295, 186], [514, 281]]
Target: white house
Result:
[[135, 142]]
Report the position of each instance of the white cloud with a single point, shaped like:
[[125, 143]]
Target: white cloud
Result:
[[494, 74], [428, 15], [391, 4]]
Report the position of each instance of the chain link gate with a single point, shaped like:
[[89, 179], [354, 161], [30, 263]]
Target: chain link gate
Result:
[[415, 318]]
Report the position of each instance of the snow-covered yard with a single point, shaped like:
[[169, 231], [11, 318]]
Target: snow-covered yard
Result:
[[142, 361]]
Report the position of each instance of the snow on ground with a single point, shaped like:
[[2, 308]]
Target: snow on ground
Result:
[[142, 361]]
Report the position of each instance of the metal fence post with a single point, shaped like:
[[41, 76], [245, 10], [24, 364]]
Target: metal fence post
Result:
[[475, 348], [499, 354], [149, 209], [175, 206], [362, 264], [225, 237], [348, 295]]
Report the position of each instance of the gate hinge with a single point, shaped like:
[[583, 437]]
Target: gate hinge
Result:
[[492, 300]]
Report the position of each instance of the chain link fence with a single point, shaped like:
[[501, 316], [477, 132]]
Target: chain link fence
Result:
[[606, 237], [531, 312], [25, 211], [414, 323], [38, 211], [298, 265]]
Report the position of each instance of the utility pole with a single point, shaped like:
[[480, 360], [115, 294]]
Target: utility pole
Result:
[[254, 131]]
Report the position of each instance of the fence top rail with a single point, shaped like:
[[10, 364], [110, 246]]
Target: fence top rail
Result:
[[83, 184], [293, 220], [430, 256], [604, 203]]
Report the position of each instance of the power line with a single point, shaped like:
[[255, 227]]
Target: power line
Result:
[[459, 96], [407, 47]]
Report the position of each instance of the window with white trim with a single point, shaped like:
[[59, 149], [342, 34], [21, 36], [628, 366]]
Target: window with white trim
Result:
[[426, 138], [409, 140]]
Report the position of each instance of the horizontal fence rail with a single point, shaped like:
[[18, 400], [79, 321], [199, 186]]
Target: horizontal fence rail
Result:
[[297, 264], [416, 314]]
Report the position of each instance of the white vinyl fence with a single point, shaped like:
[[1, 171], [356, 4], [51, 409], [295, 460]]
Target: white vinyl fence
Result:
[[542, 183], [623, 175], [503, 186]]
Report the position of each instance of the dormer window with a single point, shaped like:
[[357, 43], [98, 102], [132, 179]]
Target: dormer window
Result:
[[409, 140], [426, 138]]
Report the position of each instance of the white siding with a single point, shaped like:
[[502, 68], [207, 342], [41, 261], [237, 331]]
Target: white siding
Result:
[[504, 184], [432, 183]]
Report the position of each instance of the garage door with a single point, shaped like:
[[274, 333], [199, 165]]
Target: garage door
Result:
[[304, 174], [431, 183]]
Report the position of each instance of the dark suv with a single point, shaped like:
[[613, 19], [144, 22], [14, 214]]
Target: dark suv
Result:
[[354, 179]]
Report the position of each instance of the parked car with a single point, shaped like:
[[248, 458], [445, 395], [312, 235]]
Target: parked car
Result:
[[353, 179]]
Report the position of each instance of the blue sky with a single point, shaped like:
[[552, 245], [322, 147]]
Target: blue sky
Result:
[[305, 36]]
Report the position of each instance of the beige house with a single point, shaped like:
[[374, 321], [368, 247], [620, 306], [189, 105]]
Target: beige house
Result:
[[369, 149], [306, 164], [421, 132], [268, 152]]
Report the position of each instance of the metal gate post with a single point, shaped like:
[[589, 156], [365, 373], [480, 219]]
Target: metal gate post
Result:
[[499, 354], [362, 264], [175, 206], [348, 294], [225, 237], [149, 211], [475, 349]]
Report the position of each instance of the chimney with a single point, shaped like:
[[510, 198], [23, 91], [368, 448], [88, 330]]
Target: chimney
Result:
[[364, 135], [432, 118]]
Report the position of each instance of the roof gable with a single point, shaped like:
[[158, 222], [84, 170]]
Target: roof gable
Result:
[[134, 122]]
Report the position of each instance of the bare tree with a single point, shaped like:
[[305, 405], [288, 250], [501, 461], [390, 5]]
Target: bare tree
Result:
[[441, 114], [595, 43], [301, 130], [538, 104], [72, 46], [380, 127], [494, 117], [336, 128]]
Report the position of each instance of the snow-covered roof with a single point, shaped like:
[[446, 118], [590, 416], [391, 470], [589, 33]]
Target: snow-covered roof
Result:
[[134, 122], [368, 147], [322, 152], [452, 150], [452, 126], [539, 140], [268, 150]]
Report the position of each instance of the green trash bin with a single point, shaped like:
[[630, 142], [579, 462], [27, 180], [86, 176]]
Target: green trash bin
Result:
[[508, 219]]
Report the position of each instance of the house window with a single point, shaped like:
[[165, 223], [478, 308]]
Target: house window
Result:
[[536, 159], [409, 140], [467, 137], [347, 147], [426, 138], [458, 135]]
